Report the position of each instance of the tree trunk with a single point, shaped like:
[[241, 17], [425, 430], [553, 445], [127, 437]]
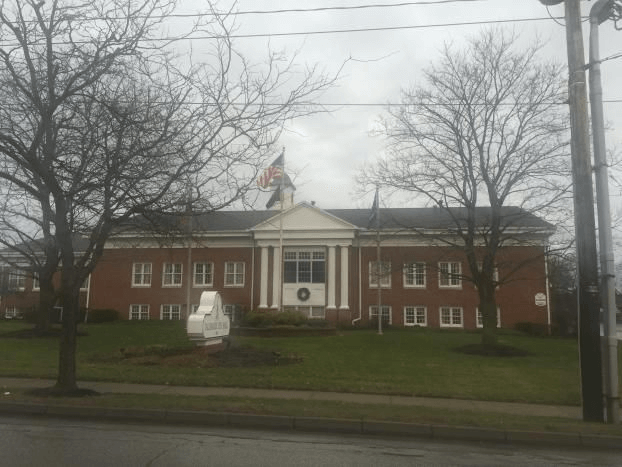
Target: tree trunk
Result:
[[66, 382], [47, 297], [488, 309]]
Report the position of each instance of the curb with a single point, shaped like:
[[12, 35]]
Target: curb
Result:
[[315, 424]]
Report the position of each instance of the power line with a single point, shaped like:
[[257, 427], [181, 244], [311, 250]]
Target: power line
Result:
[[351, 7], [353, 30], [333, 31]]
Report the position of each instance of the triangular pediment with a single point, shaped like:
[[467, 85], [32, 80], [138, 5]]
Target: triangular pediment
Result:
[[304, 217]]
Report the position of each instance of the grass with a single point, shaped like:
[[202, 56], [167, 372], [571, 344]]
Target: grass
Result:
[[329, 409], [406, 361]]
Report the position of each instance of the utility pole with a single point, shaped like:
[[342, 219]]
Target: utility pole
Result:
[[585, 226], [600, 12]]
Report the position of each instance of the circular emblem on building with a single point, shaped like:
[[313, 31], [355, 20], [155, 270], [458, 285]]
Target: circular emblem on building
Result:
[[303, 294]]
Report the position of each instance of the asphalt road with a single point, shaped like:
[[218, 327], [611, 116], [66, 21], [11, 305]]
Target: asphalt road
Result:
[[67, 443]]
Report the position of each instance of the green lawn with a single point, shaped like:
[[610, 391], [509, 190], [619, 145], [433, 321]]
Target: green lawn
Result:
[[406, 361]]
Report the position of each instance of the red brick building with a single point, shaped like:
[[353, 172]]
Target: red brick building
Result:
[[327, 269]]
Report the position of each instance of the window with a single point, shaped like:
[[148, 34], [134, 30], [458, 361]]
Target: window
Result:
[[171, 275], [12, 312], [312, 312], [479, 318], [229, 311], [449, 275], [203, 274], [495, 274], [451, 317], [139, 312], [386, 313], [304, 267], [87, 282], [17, 280], [234, 274], [141, 275], [169, 312], [414, 275], [415, 316], [36, 285], [384, 271]]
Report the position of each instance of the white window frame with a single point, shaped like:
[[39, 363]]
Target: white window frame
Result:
[[235, 273], [170, 312], [452, 275], [229, 311], [11, 312], [17, 280], [385, 280], [86, 284], [142, 311], [172, 274], [495, 275], [143, 282], [452, 314], [203, 275], [411, 270], [36, 284], [415, 310], [479, 321], [386, 309]]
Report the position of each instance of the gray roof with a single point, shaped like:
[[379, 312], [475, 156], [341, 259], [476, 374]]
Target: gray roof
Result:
[[392, 218]]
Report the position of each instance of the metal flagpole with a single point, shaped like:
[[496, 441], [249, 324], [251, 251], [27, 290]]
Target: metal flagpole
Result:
[[189, 274], [281, 200], [378, 265]]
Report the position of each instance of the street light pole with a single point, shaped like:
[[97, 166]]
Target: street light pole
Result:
[[599, 13], [585, 227]]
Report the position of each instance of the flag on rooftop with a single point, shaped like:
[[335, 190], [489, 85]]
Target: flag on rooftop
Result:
[[274, 171], [276, 195]]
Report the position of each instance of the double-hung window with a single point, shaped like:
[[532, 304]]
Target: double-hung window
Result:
[[141, 275], [415, 316], [380, 271], [17, 280], [171, 275], [449, 275], [414, 275], [386, 313], [451, 317], [480, 319], [139, 312], [203, 274], [170, 312], [234, 274], [304, 267]]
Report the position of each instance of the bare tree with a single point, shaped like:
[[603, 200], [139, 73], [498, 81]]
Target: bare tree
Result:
[[487, 129], [101, 123]]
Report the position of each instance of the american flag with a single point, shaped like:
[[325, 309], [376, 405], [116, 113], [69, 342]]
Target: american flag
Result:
[[270, 173]]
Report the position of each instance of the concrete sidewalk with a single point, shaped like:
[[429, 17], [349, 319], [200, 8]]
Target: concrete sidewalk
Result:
[[453, 404], [56, 409]]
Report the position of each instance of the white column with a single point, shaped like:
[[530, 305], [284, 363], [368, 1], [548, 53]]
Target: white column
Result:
[[331, 278], [263, 286], [276, 277], [345, 284]]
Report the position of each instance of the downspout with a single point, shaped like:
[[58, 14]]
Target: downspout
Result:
[[546, 284], [88, 299]]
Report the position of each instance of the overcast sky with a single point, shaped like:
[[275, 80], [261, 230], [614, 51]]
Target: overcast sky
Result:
[[325, 151]]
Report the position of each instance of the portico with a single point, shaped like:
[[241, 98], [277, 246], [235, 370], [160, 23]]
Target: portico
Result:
[[305, 260]]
